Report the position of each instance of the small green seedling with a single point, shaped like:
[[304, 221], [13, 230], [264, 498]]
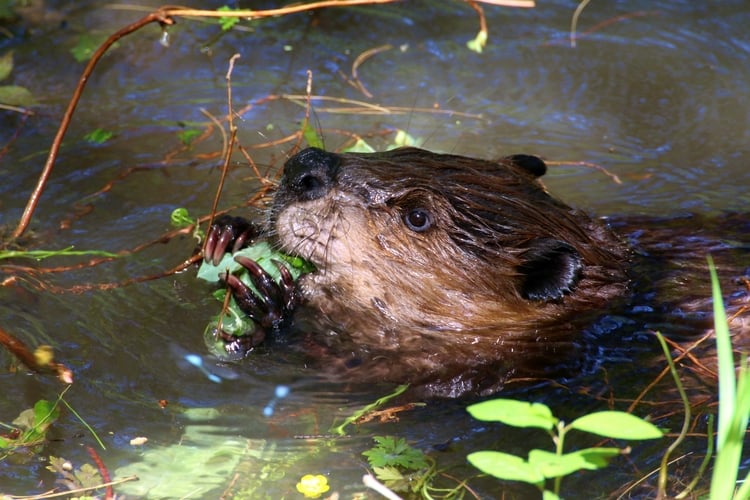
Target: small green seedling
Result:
[[401, 467], [542, 465]]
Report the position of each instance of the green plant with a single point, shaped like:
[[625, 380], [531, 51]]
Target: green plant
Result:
[[29, 429], [228, 22], [12, 96], [99, 136], [542, 465], [398, 465], [734, 406]]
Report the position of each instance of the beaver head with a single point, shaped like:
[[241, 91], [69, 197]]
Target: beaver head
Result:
[[437, 264]]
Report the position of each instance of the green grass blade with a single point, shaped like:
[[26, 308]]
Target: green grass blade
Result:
[[727, 383]]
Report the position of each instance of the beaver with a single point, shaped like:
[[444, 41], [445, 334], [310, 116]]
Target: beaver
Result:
[[440, 270]]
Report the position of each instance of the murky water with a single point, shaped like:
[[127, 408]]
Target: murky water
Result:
[[655, 92]]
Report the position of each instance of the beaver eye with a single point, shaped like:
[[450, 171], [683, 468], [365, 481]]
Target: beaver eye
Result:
[[418, 220]]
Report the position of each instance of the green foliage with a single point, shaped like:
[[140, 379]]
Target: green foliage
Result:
[[390, 451], [180, 218], [478, 43], [514, 413], [734, 406], [87, 45], [541, 464], [400, 139], [6, 10], [86, 476], [398, 465], [188, 135], [616, 425], [228, 22], [98, 136], [29, 429], [12, 95], [6, 65], [311, 135]]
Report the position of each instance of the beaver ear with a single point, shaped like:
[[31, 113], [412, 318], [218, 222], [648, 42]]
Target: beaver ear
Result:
[[532, 164], [551, 269]]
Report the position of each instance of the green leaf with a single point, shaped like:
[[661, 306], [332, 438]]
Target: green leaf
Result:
[[395, 452], [186, 136], [552, 465], [515, 413], [180, 217], [478, 43], [88, 44], [550, 495], [6, 65], [88, 476], [505, 466], [388, 474], [45, 413], [98, 136], [262, 253], [25, 419], [729, 454], [228, 22], [618, 425], [313, 139], [727, 381], [13, 95], [361, 146]]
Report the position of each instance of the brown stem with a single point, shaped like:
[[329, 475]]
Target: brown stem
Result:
[[28, 212], [25, 356], [109, 495]]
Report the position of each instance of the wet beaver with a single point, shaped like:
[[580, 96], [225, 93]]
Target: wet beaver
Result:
[[441, 270]]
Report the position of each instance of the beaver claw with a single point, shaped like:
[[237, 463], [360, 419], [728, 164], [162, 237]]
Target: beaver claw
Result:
[[227, 234], [270, 305]]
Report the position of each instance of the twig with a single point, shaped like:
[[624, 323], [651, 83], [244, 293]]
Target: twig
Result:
[[25, 356], [229, 146], [108, 495], [364, 56], [28, 212], [574, 21], [72, 492], [523, 4]]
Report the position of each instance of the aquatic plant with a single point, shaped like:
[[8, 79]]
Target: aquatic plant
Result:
[[542, 465]]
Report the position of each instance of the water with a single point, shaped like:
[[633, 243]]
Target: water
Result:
[[655, 92]]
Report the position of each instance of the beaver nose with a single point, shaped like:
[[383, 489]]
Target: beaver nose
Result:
[[310, 173]]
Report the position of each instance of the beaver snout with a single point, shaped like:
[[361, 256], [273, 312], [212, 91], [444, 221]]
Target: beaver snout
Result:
[[310, 174]]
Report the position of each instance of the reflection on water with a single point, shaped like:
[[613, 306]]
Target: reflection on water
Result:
[[655, 92]]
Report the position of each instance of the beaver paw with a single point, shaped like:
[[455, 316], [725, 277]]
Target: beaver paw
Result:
[[272, 302], [270, 305], [227, 234]]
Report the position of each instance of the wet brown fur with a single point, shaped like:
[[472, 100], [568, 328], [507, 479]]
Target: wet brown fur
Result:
[[445, 307]]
